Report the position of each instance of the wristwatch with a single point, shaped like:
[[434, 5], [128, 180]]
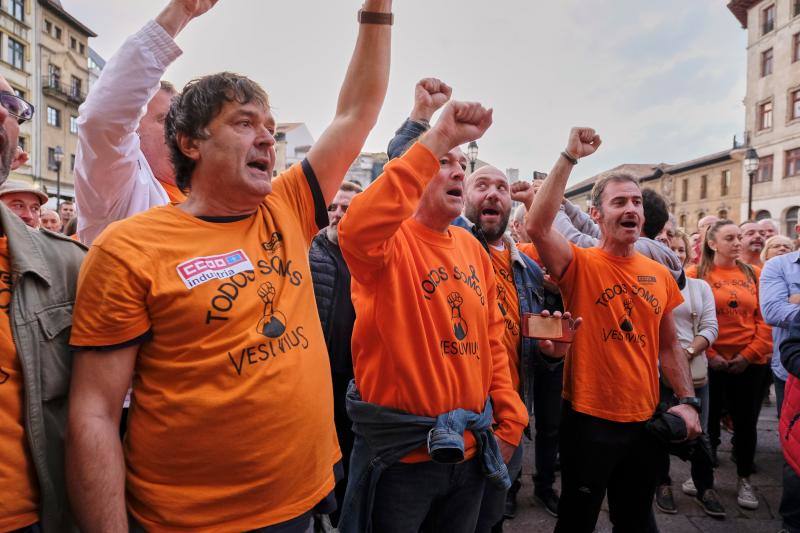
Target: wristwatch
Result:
[[690, 351], [691, 400]]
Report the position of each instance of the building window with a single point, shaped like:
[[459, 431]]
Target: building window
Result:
[[19, 92], [16, 53], [791, 221], [75, 87], [684, 189], [795, 47], [683, 221], [794, 104], [54, 116], [54, 75], [57, 33], [72, 162], [765, 116], [795, 8], [23, 143], [764, 169], [725, 183], [767, 19], [701, 215], [48, 27], [792, 162], [703, 187], [722, 214], [82, 48], [761, 215], [18, 9], [73, 43], [51, 159], [73, 124], [766, 62]]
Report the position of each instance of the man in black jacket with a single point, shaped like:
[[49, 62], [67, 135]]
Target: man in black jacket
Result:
[[331, 279]]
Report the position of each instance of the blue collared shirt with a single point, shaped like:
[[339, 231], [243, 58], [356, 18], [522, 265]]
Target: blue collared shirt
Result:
[[780, 279]]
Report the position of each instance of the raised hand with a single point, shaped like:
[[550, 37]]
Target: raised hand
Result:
[[583, 142], [461, 122], [430, 94], [523, 191], [178, 13], [559, 349]]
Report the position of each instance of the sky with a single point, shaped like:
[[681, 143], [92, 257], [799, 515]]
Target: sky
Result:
[[659, 81]]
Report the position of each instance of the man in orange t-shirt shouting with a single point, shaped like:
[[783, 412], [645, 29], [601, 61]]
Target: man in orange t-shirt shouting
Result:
[[611, 374], [427, 344], [209, 307]]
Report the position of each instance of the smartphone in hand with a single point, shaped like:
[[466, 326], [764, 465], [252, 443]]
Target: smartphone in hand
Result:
[[548, 328]]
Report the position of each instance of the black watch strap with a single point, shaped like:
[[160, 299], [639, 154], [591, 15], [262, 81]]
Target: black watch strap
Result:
[[693, 401], [373, 17]]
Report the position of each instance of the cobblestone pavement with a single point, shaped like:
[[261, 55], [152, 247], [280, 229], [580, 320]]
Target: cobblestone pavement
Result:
[[531, 516]]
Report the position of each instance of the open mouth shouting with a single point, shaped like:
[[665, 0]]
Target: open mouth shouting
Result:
[[490, 214], [260, 166], [629, 224]]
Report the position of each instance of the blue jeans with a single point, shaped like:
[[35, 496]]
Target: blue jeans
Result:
[[494, 498], [429, 496]]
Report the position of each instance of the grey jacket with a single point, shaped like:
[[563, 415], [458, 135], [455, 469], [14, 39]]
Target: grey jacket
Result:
[[44, 276], [581, 230]]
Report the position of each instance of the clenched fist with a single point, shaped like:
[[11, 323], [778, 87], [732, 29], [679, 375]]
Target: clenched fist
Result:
[[195, 8], [430, 94], [461, 122], [583, 142], [525, 192]]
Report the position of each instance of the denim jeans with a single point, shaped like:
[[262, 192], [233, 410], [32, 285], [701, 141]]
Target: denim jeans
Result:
[[494, 498], [428, 496]]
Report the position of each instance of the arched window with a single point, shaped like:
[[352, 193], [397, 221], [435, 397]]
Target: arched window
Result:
[[761, 215], [683, 221], [722, 213], [791, 221]]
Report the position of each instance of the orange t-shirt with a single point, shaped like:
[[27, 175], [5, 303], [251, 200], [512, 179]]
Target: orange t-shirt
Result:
[[19, 492], [175, 195], [231, 418], [741, 327], [611, 371], [508, 303], [428, 332], [529, 249]]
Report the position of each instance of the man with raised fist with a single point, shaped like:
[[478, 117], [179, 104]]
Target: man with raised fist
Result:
[[427, 345], [430, 95], [122, 165], [231, 424], [611, 374]]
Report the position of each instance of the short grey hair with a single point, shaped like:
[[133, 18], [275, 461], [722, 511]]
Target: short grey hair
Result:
[[519, 214], [600, 185]]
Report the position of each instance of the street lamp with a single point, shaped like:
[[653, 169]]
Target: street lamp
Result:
[[58, 157], [472, 155], [751, 163]]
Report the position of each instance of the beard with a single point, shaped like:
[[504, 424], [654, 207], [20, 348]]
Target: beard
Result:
[[493, 232]]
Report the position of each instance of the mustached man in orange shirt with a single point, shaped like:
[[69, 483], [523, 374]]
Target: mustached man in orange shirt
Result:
[[611, 373], [38, 279], [427, 345], [208, 307]]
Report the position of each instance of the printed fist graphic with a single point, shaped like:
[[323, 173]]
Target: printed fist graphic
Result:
[[460, 327], [455, 300], [267, 292]]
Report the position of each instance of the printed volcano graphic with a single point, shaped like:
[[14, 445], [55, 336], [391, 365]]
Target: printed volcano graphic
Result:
[[733, 303], [625, 324], [272, 325], [501, 299]]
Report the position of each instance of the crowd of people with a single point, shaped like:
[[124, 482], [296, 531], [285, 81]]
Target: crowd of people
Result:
[[243, 348]]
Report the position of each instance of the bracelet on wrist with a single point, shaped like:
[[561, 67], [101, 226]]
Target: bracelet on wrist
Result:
[[569, 157], [375, 17]]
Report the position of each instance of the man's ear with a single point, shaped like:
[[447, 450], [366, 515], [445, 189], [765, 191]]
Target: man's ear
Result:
[[20, 158], [189, 146], [595, 214]]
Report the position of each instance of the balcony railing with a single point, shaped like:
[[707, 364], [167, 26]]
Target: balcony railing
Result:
[[69, 94]]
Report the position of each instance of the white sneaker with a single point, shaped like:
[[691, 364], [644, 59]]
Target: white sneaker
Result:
[[688, 487], [746, 498]]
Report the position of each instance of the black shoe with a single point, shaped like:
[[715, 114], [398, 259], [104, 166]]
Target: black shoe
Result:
[[548, 498], [664, 500], [510, 510], [711, 504], [714, 458]]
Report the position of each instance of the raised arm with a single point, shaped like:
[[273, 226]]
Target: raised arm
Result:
[[553, 248], [109, 150], [94, 461], [360, 102], [367, 230], [430, 94]]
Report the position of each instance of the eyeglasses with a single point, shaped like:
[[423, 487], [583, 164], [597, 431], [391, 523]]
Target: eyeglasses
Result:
[[16, 106]]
